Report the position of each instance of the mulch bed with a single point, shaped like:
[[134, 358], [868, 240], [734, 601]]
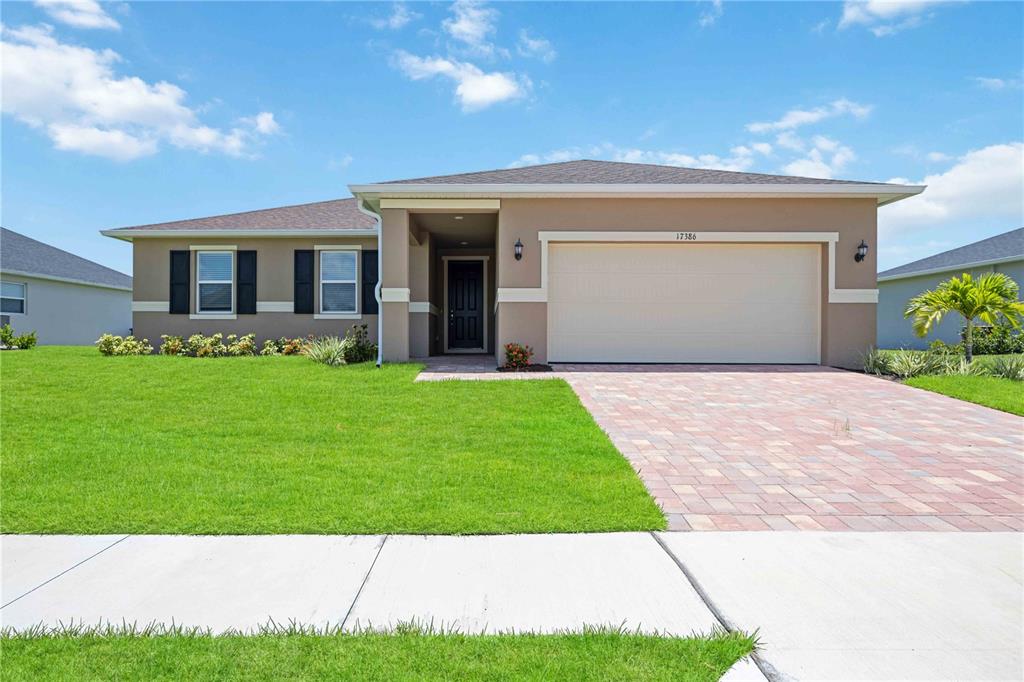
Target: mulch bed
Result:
[[528, 368]]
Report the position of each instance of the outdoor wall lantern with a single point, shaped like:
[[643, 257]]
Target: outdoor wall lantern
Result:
[[862, 251], [518, 246]]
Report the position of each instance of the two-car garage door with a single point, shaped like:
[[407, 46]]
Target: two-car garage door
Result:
[[671, 302]]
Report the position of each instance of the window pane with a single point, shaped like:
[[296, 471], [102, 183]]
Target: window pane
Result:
[[214, 266], [338, 265], [13, 290], [12, 305], [215, 298], [339, 298]]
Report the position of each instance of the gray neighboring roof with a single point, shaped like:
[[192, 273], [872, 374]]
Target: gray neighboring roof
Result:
[[336, 214], [26, 256], [587, 171], [1001, 248]]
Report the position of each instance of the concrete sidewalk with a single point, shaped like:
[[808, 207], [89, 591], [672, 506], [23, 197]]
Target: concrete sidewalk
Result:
[[827, 606]]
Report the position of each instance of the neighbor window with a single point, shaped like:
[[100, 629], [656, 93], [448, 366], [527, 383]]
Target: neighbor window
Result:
[[12, 297], [338, 283], [215, 281]]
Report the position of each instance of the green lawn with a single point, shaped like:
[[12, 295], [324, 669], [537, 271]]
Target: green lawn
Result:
[[595, 656], [1002, 394], [95, 444]]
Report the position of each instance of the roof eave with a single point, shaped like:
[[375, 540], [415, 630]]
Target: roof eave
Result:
[[128, 234], [882, 277], [66, 280], [884, 194]]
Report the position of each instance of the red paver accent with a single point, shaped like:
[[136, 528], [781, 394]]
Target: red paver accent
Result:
[[807, 448]]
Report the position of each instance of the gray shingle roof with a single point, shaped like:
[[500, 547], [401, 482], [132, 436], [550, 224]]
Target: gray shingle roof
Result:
[[24, 254], [1007, 245], [616, 173], [337, 214]]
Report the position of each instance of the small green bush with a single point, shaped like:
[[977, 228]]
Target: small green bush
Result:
[[9, 339], [907, 363], [357, 345], [110, 344], [517, 355], [239, 346], [172, 345], [875, 362], [269, 348], [327, 350], [958, 366], [288, 346], [1008, 368], [997, 340]]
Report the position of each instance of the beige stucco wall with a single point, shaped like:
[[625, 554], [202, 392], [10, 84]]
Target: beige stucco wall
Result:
[[846, 327], [395, 275], [275, 267]]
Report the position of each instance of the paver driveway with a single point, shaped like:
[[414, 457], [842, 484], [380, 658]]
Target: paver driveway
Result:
[[810, 448]]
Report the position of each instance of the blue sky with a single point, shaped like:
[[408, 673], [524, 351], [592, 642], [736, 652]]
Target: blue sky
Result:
[[127, 113]]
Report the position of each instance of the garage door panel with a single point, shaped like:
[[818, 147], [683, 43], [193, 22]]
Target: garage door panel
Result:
[[683, 302]]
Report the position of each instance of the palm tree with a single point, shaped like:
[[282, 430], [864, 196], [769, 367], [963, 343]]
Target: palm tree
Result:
[[988, 298]]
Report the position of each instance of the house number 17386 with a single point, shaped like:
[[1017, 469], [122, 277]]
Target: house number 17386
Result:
[[686, 236]]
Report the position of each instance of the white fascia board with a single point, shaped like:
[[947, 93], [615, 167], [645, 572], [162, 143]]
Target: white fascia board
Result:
[[67, 280], [953, 269], [885, 194], [129, 234]]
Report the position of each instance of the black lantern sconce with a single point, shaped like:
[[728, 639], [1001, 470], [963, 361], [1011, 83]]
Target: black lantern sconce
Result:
[[518, 246], [862, 251]]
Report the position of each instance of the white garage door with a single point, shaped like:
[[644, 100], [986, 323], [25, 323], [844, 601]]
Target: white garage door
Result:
[[743, 303]]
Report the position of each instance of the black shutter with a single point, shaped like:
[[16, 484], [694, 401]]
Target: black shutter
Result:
[[304, 282], [245, 293], [369, 282], [179, 282]]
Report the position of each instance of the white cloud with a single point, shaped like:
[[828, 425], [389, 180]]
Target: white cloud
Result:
[[73, 94], [400, 16], [937, 157], [761, 148], [795, 118], [473, 24], [886, 17], [337, 164], [711, 14], [530, 46], [984, 183], [823, 159], [998, 83], [474, 88], [78, 13]]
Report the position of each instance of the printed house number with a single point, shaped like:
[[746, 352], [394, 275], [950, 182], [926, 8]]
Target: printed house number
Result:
[[686, 236]]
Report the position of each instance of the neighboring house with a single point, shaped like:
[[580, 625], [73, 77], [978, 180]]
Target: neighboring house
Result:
[[65, 299], [1002, 253], [585, 261]]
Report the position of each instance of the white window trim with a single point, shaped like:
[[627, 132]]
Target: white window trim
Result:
[[23, 298], [331, 315], [215, 314]]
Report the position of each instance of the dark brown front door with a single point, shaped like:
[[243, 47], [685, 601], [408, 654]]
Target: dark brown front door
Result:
[[465, 304]]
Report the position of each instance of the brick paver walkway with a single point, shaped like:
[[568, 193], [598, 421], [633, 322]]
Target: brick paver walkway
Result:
[[810, 448]]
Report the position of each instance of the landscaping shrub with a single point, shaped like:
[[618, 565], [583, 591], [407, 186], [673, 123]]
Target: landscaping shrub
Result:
[[941, 347], [287, 346], [327, 350], [269, 348], [1008, 368], [875, 362], [239, 346], [958, 366], [517, 355], [996, 340], [206, 346], [172, 345], [907, 363], [357, 346], [9, 339], [110, 344]]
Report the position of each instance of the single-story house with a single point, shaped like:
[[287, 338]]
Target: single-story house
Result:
[[585, 261], [65, 299], [1002, 253]]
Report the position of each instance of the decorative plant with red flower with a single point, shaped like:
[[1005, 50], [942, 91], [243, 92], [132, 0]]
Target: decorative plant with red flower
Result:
[[517, 355]]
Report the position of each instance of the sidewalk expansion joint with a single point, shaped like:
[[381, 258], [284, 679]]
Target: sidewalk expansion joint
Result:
[[767, 669], [366, 578], [47, 582]]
